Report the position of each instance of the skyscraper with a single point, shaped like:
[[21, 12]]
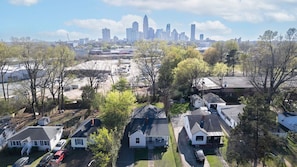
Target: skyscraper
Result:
[[145, 27], [201, 37], [106, 35], [168, 32], [135, 31], [193, 29]]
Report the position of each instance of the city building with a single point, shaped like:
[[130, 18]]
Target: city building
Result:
[[168, 32], [201, 37], [193, 29], [145, 27], [106, 35]]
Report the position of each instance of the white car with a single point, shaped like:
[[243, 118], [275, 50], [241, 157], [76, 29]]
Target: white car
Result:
[[60, 145]]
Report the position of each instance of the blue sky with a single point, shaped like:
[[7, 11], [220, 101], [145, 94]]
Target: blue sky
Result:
[[52, 20]]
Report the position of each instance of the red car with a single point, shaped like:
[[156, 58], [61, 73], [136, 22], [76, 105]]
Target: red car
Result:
[[59, 156]]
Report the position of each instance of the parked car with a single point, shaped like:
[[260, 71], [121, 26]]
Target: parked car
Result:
[[199, 155], [21, 162], [58, 156], [45, 159], [59, 145]]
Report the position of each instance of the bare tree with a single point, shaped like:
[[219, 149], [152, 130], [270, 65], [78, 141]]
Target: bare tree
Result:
[[148, 58], [4, 55], [274, 61]]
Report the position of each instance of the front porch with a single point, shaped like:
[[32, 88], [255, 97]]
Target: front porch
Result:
[[156, 142]]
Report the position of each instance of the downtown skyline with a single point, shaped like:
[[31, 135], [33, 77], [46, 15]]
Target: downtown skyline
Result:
[[53, 20]]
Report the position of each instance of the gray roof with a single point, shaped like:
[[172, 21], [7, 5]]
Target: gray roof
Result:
[[88, 127], [148, 111], [150, 127], [233, 82], [209, 123], [213, 98], [232, 111], [37, 133]]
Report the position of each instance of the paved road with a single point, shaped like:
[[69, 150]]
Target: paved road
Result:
[[185, 150]]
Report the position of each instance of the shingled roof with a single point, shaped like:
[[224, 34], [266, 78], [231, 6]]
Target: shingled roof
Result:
[[150, 127], [37, 133], [207, 123], [87, 128]]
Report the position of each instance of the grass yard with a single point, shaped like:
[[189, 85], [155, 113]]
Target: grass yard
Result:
[[7, 159], [214, 161], [140, 156], [176, 109]]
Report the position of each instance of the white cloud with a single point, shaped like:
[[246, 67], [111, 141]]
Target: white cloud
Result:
[[63, 35], [231, 10], [214, 27], [23, 2], [280, 16], [116, 27]]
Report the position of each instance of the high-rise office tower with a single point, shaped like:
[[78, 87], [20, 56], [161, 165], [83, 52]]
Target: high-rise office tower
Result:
[[151, 33], [193, 29], [145, 27], [135, 31], [168, 32], [129, 34], [106, 35], [201, 37]]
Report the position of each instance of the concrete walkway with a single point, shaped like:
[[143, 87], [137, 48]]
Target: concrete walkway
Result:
[[150, 157]]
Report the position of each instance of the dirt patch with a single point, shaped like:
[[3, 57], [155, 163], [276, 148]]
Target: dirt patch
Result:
[[78, 157]]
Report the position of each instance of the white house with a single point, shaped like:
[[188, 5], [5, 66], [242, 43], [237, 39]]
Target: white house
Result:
[[81, 136], [203, 130], [43, 137], [149, 133], [148, 128], [288, 120], [212, 101], [230, 114]]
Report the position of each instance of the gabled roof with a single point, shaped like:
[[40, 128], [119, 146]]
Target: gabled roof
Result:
[[88, 127], [213, 98], [232, 111], [207, 123], [148, 111], [37, 133], [150, 127], [233, 82]]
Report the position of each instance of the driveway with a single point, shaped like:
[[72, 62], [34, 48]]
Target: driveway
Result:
[[185, 150], [126, 154]]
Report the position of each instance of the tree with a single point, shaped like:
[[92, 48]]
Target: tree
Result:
[[4, 55], [172, 56], [117, 109], [211, 56], [220, 70], [87, 96], [253, 133], [221, 49], [274, 61], [148, 58], [122, 85], [231, 59], [32, 56], [188, 72], [101, 145], [63, 57]]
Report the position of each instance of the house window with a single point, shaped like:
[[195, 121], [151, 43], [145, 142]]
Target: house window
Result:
[[199, 138], [79, 142], [35, 143], [137, 140], [41, 143], [46, 143]]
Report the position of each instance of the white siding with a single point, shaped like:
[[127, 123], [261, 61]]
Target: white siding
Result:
[[135, 136], [187, 127], [79, 142], [202, 142]]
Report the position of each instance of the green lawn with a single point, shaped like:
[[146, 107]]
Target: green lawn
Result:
[[7, 159], [179, 108], [140, 156], [214, 161]]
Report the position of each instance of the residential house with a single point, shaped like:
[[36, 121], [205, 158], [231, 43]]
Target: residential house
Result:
[[230, 114], [148, 128], [212, 101], [204, 130], [81, 136], [288, 120], [43, 137]]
